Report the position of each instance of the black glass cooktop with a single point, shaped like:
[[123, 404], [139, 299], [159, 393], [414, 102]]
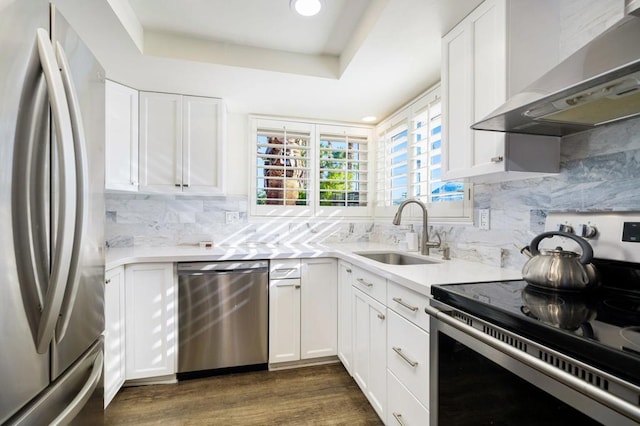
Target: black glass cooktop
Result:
[[600, 327]]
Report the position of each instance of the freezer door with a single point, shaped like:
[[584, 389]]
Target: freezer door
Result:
[[82, 316], [75, 398], [23, 372]]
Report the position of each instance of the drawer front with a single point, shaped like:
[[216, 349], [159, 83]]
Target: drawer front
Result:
[[408, 355], [403, 408], [284, 268], [409, 304], [371, 284]]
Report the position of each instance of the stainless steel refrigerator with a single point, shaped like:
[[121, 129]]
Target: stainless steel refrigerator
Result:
[[52, 220]]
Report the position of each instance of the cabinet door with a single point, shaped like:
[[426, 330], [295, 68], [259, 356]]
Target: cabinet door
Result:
[[160, 142], [114, 333], [408, 355], [121, 137], [488, 25], [457, 83], [474, 84], [403, 408], [369, 350], [319, 308], [202, 145], [284, 320], [345, 322], [151, 320]]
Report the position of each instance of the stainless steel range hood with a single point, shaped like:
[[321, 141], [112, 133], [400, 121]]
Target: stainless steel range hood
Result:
[[598, 84]]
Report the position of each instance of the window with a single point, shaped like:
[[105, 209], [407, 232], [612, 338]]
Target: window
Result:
[[282, 167], [343, 168], [409, 159], [307, 169]]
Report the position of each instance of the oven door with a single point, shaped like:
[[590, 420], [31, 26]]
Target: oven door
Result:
[[483, 375]]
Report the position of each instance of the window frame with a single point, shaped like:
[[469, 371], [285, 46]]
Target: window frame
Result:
[[457, 211]]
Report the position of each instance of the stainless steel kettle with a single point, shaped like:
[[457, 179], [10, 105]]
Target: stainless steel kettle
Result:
[[560, 269]]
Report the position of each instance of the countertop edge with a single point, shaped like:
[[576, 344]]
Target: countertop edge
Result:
[[418, 278]]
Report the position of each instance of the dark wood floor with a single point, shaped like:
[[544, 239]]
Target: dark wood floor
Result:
[[317, 395]]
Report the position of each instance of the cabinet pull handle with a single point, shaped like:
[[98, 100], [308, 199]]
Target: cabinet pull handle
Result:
[[497, 159], [365, 283], [107, 281], [178, 185], [405, 304], [398, 418], [381, 316], [414, 364], [284, 283], [349, 270], [285, 270]]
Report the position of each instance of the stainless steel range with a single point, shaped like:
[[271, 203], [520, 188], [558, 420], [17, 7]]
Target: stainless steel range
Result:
[[515, 353]]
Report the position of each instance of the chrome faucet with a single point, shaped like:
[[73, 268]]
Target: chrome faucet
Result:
[[425, 245]]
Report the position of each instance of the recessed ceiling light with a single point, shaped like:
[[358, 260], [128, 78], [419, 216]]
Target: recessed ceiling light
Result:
[[306, 7], [369, 119]]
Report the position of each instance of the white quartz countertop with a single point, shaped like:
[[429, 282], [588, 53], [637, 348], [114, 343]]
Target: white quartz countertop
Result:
[[417, 277]]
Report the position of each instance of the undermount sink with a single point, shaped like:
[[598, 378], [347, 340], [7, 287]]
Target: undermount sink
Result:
[[396, 258]]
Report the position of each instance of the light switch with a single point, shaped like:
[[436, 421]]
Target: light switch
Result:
[[483, 218]]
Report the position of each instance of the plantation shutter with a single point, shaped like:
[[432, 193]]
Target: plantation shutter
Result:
[[343, 171], [283, 169]]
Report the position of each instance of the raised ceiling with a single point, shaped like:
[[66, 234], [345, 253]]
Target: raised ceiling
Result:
[[256, 23], [356, 58]]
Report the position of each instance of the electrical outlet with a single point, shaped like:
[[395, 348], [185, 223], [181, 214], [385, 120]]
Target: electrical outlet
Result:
[[232, 217], [483, 218]]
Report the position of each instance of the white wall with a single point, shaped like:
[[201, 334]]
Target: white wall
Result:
[[237, 155]]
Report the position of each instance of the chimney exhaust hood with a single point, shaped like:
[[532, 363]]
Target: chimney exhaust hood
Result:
[[598, 84]]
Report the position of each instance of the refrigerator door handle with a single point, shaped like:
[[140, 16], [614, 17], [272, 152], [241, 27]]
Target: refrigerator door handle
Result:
[[81, 214], [81, 399], [61, 256]]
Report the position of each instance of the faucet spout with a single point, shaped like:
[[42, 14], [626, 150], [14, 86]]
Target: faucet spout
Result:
[[424, 241]]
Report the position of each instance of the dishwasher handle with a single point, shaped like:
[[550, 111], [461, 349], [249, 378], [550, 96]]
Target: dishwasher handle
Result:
[[192, 268]]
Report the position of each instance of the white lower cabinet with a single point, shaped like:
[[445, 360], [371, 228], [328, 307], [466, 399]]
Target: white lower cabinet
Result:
[[284, 320], [404, 408], [370, 349], [408, 355], [345, 321], [384, 344], [114, 333], [319, 308], [151, 320], [303, 312]]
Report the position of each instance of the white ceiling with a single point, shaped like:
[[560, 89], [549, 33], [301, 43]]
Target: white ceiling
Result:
[[356, 58], [256, 23]]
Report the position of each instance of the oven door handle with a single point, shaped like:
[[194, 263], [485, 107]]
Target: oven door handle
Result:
[[623, 407]]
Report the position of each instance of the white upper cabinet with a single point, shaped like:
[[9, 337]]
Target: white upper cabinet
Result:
[[181, 144], [495, 52], [121, 147]]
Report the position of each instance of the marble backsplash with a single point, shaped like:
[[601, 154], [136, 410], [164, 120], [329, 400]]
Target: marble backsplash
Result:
[[600, 170]]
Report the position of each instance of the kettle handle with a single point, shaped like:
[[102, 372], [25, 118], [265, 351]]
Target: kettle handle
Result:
[[587, 250]]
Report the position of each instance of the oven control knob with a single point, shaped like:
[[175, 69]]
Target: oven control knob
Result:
[[587, 231], [565, 228]]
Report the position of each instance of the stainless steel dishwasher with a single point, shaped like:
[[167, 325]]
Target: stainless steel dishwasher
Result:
[[223, 319]]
